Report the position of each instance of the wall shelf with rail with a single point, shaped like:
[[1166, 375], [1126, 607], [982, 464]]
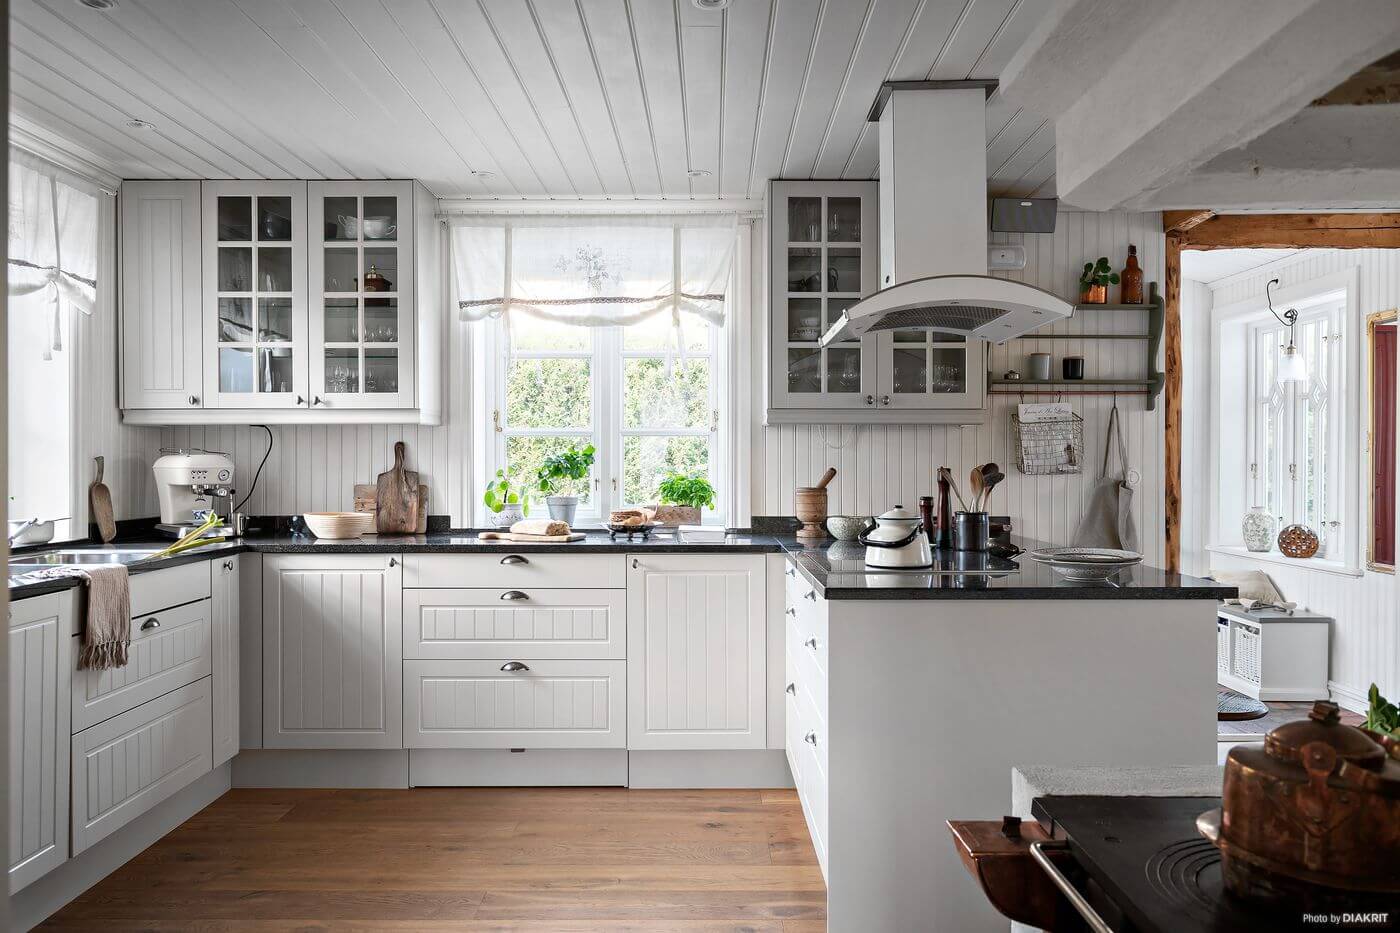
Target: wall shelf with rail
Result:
[[1151, 386]]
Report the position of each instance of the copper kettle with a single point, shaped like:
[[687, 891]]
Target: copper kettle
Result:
[[1310, 820]]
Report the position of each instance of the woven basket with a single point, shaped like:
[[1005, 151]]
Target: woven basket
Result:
[[339, 524]]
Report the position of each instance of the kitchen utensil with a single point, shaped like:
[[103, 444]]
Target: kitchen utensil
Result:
[[396, 496], [943, 540], [896, 541], [927, 517], [971, 531], [1310, 820], [1086, 564], [1038, 367], [945, 473], [239, 522], [1072, 367], [809, 505], [974, 486], [530, 539], [366, 500], [100, 506], [846, 527], [30, 531], [339, 525], [991, 476]]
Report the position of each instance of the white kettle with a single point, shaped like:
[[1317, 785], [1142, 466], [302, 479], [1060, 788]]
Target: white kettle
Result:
[[896, 541]]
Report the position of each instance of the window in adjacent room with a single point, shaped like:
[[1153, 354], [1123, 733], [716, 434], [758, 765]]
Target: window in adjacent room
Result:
[[1380, 543]]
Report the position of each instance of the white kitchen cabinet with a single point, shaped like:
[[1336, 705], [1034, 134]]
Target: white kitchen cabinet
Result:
[[40, 647], [361, 282], [332, 651], [511, 623], [224, 637], [161, 343], [696, 648], [254, 285]]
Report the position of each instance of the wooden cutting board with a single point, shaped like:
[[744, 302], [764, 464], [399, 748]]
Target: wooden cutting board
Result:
[[366, 500], [396, 497], [100, 506], [530, 539]]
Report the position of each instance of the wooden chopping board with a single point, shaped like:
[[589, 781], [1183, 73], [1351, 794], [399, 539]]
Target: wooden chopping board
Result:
[[100, 506], [366, 500], [396, 497], [530, 539]]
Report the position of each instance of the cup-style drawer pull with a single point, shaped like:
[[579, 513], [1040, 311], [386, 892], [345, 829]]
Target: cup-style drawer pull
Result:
[[792, 611], [791, 690], [810, 738], [812, 595], [513, 595], [513, 559], [150, 624], [811, 643], [512, 667]]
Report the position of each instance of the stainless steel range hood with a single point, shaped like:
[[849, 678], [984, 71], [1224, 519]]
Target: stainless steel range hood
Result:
[[933, 224]]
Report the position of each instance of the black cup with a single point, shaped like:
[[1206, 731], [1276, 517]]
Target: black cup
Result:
[[1072, 367]]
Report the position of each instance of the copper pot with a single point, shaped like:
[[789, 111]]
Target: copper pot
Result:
[[1310, 820]]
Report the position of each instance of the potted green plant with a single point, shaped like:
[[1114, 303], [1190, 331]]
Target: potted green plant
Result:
[[1094, 282], [506, 501], [682, 497], [559, 478]]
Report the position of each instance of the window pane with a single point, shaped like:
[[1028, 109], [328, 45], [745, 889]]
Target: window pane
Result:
[[655, 398], [647, 460], [549, 393], [525, 454], [534, 335], [658, 332]]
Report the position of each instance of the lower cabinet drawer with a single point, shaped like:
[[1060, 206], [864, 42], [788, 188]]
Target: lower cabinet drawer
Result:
[[131, 762], [505, 623], [155, 590], [510, 569], [168, 649], [547, 704], [813, 792]]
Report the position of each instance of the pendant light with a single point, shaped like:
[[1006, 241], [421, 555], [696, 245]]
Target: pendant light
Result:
[[1291, 366]]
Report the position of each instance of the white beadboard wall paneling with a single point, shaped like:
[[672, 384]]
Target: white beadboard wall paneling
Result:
[[1196, 407], [881, 466], [511, 99], [1365, 647]]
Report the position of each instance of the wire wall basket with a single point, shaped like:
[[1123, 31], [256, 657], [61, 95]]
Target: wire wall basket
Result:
[[1049, 447]]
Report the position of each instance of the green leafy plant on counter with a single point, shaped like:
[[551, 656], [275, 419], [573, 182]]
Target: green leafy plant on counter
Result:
[[565, 470], [501, 492], [1098, 273], [1381, 715], [687, 489]]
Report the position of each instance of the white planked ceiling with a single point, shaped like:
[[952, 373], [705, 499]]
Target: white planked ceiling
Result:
[[511, 98], [1212, 265]]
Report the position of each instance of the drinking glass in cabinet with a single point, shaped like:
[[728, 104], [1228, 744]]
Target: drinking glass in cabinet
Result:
[[804, 319], [843, 269], [843, 369], [382, 262], [274, 320], [342, 370], [274, 268], [235, 218], [275, 369], [274, 218], [804, 370], [235, 369], [235, 268], [342, 320], [381, 320], [235, 320], [381, 218], [342, 218], [342, 270], [843, 220], [805, 220], [949, 370], [381, 370], [910, 371], [804, 270]]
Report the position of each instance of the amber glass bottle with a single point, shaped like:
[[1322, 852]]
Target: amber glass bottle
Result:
[[1131, 279]]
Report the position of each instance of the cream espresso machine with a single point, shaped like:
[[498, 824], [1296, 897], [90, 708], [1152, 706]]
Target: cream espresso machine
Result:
[[190, 484]]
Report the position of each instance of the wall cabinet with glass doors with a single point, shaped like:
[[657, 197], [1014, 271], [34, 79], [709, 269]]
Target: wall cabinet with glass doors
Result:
[[310, 301], [823, 257]]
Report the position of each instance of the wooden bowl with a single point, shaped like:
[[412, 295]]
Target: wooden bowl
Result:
[[336, 525]]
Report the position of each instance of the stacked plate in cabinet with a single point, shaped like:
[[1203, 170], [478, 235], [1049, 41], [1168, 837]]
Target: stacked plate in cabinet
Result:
[[1086, 564]]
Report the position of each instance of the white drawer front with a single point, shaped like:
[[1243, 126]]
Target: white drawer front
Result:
[[155, 590], [170, 653], [130, 763], [515, 623], [510, 570], [553, 704], [813, 792]]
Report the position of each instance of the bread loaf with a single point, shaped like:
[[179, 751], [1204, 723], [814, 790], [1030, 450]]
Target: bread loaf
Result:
[[539, 526]]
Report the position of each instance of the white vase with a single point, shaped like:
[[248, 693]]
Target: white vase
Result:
[[1259, 527], [507, 516]]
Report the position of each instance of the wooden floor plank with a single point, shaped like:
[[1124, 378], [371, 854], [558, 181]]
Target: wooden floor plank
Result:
[[472, 859]]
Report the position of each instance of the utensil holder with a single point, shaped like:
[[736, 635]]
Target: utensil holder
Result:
[[971, 531]]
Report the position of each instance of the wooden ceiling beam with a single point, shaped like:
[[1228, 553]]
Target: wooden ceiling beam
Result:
[[1181, 221], [1274, 231]]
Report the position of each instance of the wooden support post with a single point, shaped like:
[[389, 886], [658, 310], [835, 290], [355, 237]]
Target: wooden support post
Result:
[[1172, 445]]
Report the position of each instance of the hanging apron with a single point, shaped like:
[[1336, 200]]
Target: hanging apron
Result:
[[1108, 522]]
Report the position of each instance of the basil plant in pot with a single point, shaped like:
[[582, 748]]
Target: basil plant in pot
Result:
[[506, 501], [682, 496], [559, 478]]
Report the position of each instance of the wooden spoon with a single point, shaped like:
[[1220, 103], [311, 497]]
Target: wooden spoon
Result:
[[990, 484], [974, 480]]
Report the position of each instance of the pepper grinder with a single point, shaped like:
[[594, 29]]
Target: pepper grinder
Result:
[[926, 513], [944, 541]]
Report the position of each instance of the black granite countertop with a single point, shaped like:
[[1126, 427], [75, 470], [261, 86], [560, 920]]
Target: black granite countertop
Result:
[[835, 569]]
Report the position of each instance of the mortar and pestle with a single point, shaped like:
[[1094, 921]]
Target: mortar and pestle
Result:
[[809, 505]]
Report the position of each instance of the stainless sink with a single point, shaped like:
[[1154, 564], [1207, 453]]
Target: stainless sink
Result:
[[78, 558]]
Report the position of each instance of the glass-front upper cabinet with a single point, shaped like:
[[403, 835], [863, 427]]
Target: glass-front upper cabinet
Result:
[[255, 335], [823, 259], [361, 280], [929, 369]]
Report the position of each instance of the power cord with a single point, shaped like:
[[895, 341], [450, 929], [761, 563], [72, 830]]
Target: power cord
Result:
[[261, 463]]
